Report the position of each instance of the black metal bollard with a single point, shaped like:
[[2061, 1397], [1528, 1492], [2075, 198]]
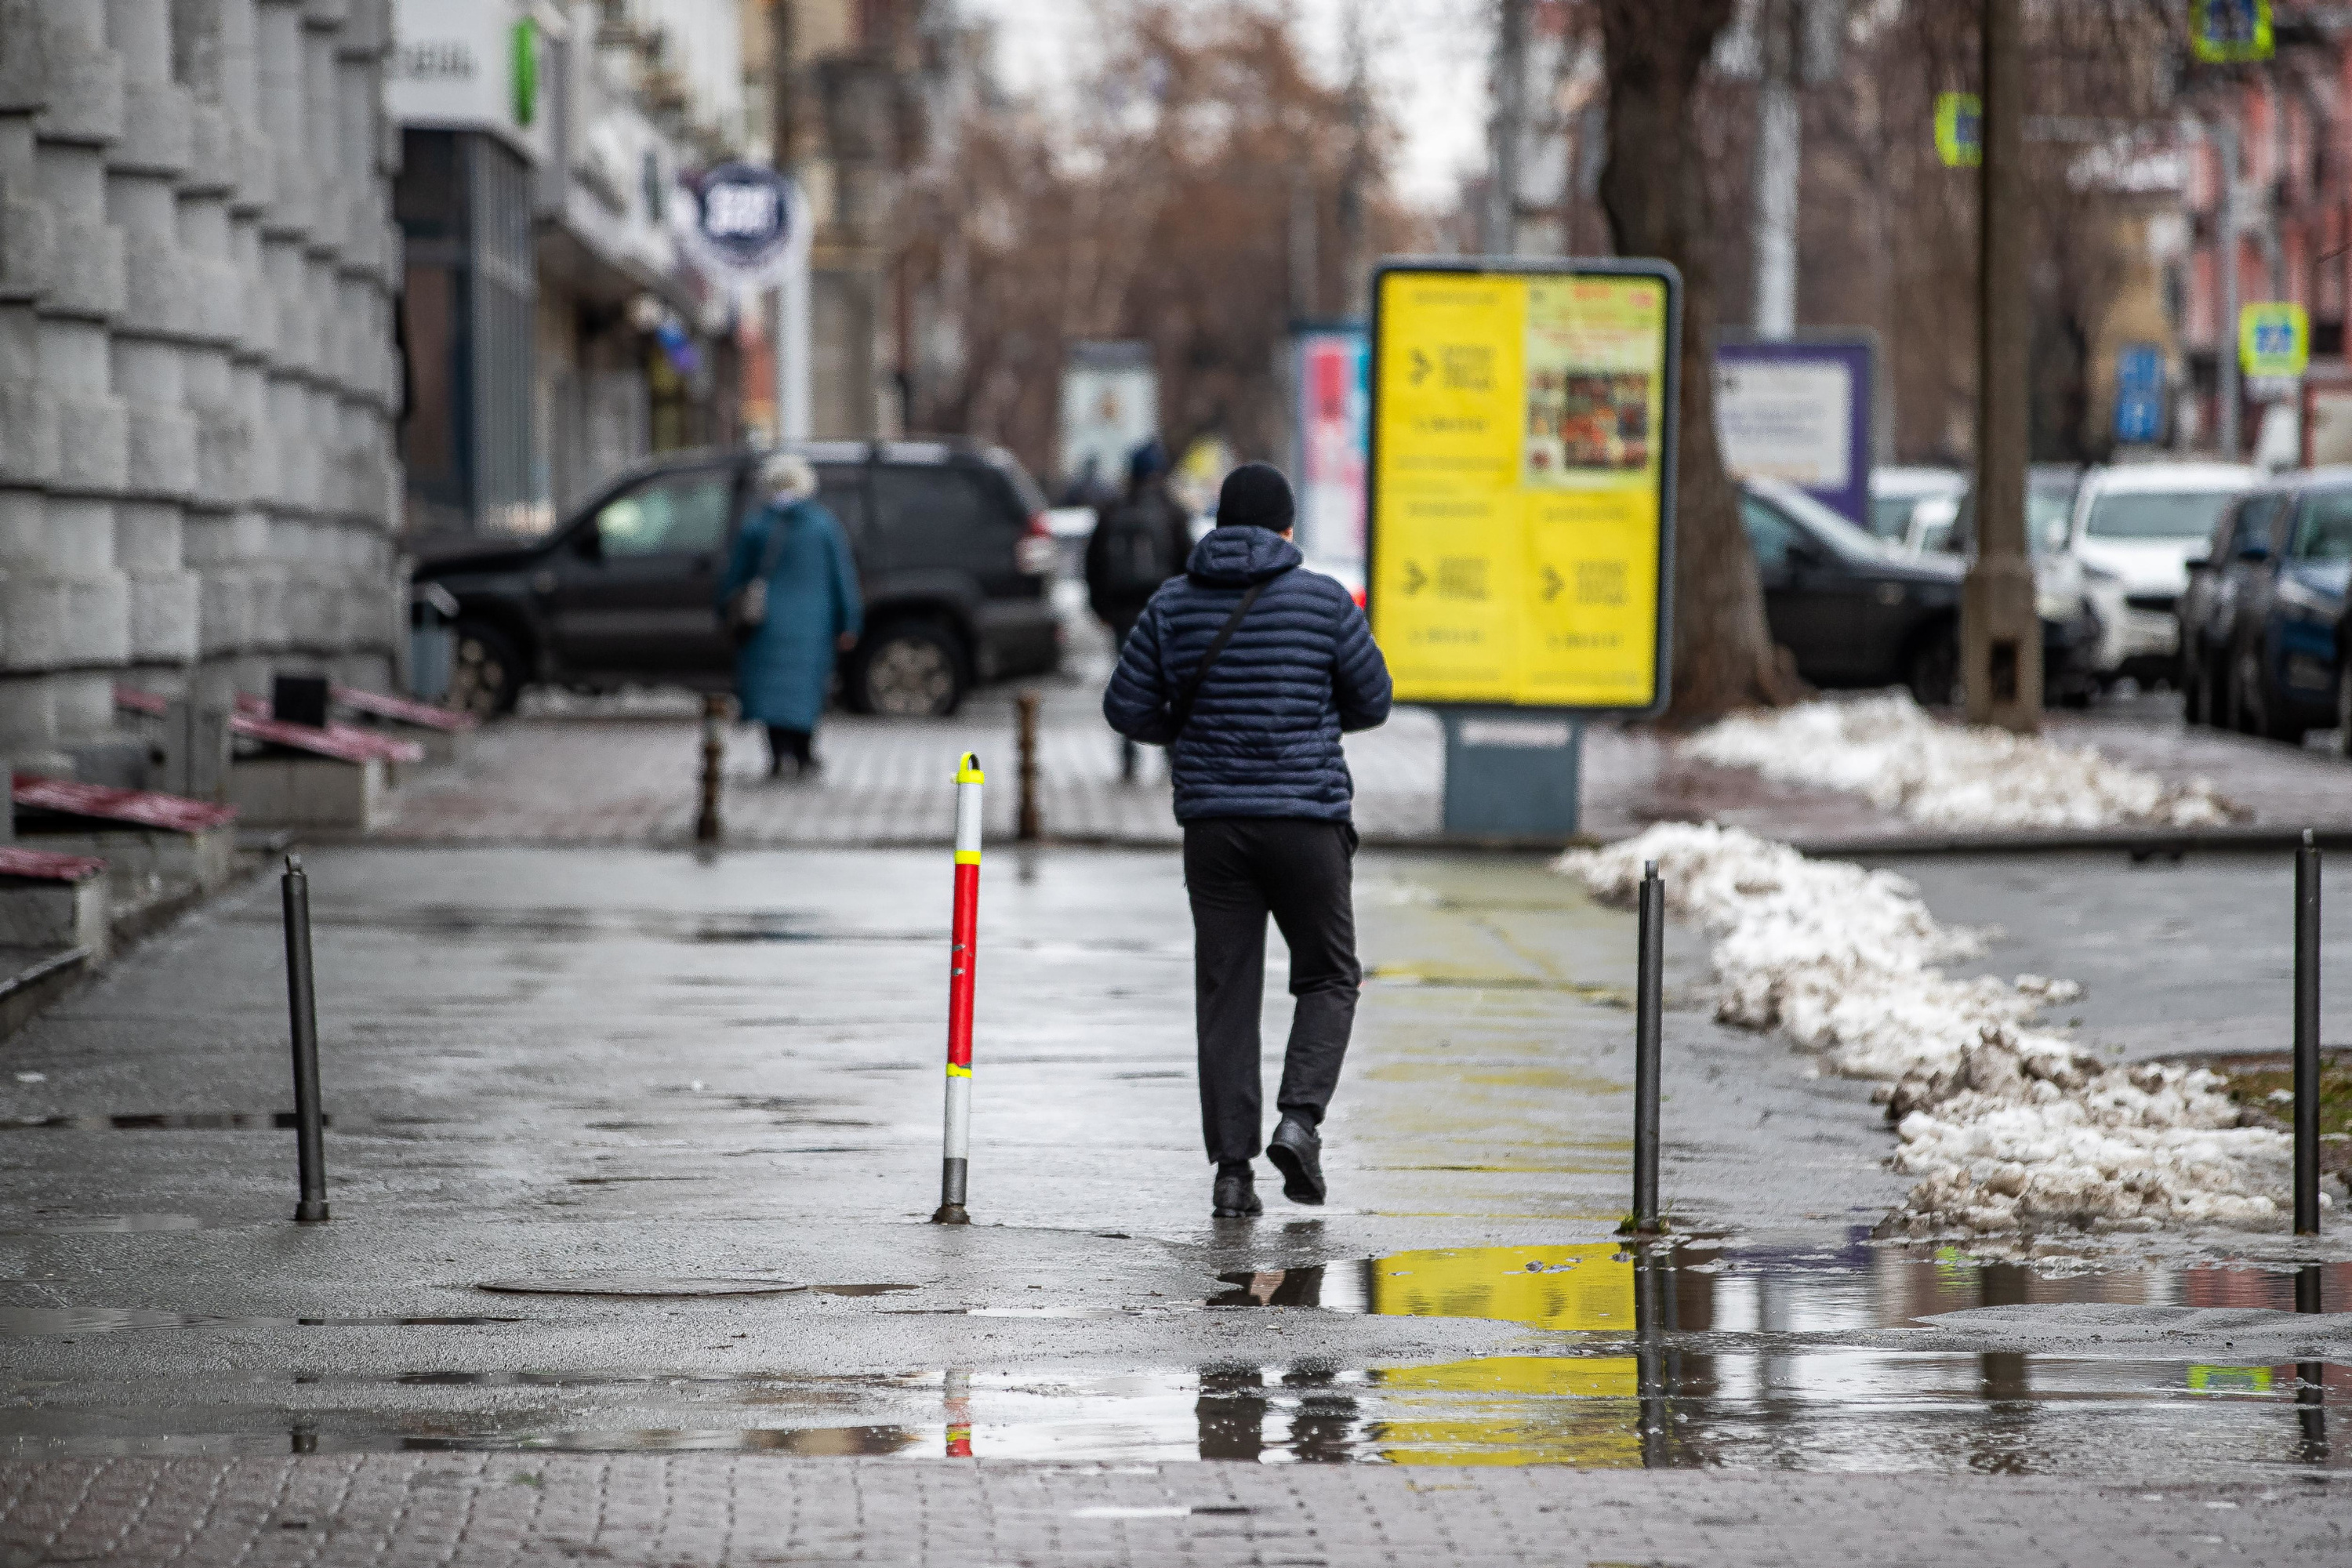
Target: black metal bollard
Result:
[[706, 827], [2306, 1038], [1649, 982], [1029, 827], [302, 1005]]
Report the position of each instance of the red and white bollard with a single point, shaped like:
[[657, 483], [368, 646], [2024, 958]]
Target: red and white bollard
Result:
[[959, 1402], [955, 1162]]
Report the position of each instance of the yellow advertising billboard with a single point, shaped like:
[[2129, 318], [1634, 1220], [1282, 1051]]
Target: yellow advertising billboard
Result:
[[1521, 506]]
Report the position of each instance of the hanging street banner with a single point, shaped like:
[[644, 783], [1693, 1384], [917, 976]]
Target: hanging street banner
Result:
[[1522, 434], [1959, 129], [1330, 367], [2230, 32], [743, 224], [2273, 340]]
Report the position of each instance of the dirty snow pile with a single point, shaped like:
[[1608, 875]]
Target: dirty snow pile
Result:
[[1887, 749], [2008, 1127]]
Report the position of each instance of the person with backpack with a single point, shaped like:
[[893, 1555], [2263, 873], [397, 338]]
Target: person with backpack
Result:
[[790, 599], [1138, 542], [1248, 670]]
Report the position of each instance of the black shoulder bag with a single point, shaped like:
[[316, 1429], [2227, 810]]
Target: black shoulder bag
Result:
[[747, 608], [1181, 709]]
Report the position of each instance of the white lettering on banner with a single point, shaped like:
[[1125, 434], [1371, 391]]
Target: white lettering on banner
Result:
[[747, 210], [1521, 734], [1787, 422]]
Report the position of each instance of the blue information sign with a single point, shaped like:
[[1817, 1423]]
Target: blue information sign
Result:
[[2139, 394]]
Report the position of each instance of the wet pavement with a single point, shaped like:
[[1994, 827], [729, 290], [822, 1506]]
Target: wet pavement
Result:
[[632, 1151]]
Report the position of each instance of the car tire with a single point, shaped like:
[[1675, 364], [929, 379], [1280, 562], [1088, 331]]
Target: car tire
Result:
[[909, 670], [1933, 671], [2343, 701], [2196, 689], [2257, 714], [486, 671]]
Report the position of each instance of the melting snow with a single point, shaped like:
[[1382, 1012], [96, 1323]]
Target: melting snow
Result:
[[2008, 1127], [1887, 749]]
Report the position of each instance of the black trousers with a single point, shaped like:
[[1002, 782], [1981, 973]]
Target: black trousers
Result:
[[783, 743], [1238, 870]]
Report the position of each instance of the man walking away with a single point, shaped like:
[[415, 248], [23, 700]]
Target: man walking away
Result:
[[1138, 542], [1248, 671]]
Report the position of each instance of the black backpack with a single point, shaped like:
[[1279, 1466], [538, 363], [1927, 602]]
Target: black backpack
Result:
[[1134, 552]]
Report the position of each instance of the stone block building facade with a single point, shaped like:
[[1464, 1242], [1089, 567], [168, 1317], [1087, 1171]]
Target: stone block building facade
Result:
[[199, 381]]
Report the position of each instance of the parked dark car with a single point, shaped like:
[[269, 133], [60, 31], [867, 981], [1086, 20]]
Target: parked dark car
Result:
[[1853, 610], [2265, 612], [952, 551]]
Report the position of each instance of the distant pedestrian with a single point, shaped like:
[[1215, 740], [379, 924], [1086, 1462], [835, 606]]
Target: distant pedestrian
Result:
[[791, 597], [1248, 670], [1139, 541]]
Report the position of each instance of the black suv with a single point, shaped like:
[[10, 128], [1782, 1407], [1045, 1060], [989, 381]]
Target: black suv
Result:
[[952, 551]]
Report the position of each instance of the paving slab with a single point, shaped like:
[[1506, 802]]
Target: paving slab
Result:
[[472, 1512]]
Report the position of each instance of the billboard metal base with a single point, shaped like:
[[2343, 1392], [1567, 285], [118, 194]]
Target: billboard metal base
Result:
[[1512, 772]]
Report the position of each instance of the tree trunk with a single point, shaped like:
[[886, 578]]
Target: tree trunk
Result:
[[1653, 188]]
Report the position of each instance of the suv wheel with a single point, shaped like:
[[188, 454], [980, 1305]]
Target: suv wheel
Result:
[[1933, 672], [908, 669], [2196, 688], [486, 672], [2343, 703]]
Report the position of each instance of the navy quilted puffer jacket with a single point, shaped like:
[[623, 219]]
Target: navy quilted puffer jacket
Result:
[[1264, 739]]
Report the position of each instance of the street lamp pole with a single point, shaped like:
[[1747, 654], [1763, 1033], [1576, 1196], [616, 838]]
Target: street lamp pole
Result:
[[2000, 634]]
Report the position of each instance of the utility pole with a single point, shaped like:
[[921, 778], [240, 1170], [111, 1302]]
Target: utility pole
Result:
[[1355, 257], [1780, 158], [2226, 393], [2000, 632], [1498, 235], [789, 330]]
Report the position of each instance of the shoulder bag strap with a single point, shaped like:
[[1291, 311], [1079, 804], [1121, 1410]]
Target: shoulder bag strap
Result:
[[1181, 709], [775, 548]]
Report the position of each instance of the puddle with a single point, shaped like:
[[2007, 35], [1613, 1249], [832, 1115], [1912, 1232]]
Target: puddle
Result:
[[624, 1284], [30, 1322], [1705, 1354], [160, 1122], [106, 1224]]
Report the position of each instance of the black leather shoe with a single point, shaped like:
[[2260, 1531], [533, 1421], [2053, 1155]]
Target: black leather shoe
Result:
[[1296, 1150], [1234, 1197]]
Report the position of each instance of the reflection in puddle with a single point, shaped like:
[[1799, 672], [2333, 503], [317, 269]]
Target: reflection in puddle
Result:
[[160, 1122], [1692, 1357], [21, 1322], [106, 1224]]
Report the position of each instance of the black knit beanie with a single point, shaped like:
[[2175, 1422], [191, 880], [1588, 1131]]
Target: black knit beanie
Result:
[[1255, 495]]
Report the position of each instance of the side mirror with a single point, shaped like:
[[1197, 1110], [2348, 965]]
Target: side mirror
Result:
[[2197, 562], [2253, 550], [587, 543]]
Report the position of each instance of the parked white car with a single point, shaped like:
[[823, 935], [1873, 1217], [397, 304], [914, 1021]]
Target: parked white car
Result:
[[2137, 526], [1898, 492]]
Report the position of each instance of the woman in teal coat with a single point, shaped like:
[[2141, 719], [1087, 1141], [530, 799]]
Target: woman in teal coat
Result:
[[783, 673]]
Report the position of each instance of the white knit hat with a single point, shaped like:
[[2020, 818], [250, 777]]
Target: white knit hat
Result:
[[787, 477]]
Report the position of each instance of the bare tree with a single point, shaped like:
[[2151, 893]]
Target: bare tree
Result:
[[1654, 190]]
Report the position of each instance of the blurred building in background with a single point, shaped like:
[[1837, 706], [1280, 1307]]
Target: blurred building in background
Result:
[[862, 100], [554, 331], [198, 382]]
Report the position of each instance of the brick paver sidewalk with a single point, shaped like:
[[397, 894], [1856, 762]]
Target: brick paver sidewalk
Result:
[[488, 1510], [625, 773]]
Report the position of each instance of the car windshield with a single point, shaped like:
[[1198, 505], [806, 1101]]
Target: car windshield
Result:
[[1891, 515], [2046, 511], [1830, 528], [2157, 514]]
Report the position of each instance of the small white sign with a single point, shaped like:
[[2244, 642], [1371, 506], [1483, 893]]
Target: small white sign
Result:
[[1520, 734], [1787, 422]]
